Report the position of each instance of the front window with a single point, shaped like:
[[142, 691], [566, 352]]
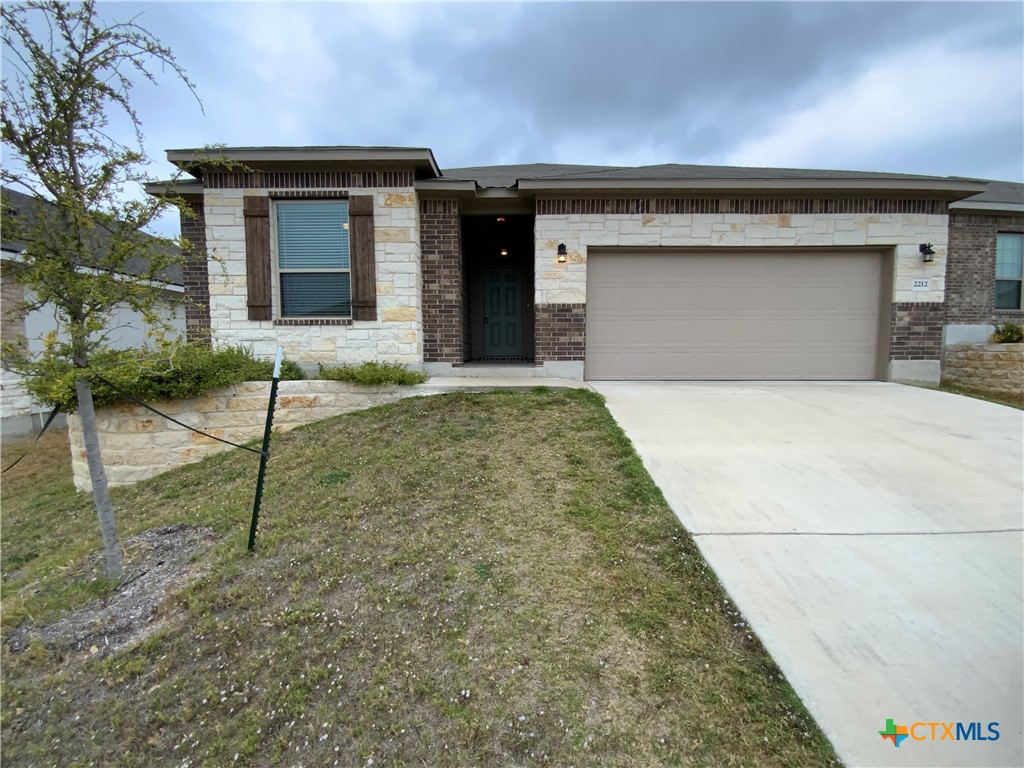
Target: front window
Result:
[[1009, 270], [313, 258]]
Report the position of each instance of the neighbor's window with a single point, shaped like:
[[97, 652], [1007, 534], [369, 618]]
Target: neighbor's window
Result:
[[313, 258], [1009, 270]]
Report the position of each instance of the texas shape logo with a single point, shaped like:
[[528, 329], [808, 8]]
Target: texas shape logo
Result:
[[895, 733]]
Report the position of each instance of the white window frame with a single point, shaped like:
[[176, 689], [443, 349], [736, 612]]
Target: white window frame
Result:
[[1019, 279], [276, 261]]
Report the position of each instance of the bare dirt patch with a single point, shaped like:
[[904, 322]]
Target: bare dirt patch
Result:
[[159, 563]]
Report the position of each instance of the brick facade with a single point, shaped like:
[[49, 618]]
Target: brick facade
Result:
[[916, 331], [196, 271], [560, 332], [747, 205], [291, 180], [971, 267], [444, 290]]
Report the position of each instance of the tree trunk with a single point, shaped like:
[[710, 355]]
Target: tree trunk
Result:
[[98, 476]]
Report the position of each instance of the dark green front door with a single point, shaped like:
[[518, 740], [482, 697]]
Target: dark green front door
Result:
[[503, 313]]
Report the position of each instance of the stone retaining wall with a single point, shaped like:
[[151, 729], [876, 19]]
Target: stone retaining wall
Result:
[[995, 367], [137, 444]]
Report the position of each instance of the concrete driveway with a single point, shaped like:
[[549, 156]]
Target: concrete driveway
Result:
[[872, 535]]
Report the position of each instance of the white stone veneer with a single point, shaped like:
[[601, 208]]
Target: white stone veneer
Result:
[[396, 334], [137, 444], [567, 283]]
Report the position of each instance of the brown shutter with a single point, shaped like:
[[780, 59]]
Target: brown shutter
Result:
[[257, 256], [364, 268]]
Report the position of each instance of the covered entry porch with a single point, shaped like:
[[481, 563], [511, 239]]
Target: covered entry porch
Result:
[[497, 265]]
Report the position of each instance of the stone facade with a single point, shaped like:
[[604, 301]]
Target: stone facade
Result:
[[444, 289], [396, 334], [971, 269], [992, 367], [567, 283]]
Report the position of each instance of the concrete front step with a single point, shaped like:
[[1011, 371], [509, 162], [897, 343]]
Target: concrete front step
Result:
[[496, 371]]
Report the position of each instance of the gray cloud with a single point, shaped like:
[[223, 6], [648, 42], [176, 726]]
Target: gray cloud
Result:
[[761, 83]]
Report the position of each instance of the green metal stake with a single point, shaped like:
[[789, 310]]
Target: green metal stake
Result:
[[265, 454]]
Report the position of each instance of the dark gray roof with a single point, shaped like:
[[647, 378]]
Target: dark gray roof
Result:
[[1000, 193], [507, 175], [22, 203]]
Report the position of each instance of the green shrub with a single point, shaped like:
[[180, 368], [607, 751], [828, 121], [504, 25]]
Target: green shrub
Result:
[[186, 370], [1008, 333], [373, 373]]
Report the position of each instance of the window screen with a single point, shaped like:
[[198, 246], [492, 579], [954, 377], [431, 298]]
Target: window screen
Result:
[[313, 258]]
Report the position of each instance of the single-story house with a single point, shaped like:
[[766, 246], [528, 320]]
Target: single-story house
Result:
[[19, 413], [346, 254]]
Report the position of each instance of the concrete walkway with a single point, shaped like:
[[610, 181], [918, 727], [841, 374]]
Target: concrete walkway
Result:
[[871, 534]]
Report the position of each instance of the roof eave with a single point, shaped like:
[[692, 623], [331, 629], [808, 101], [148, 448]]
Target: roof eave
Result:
[[188, 159], [181, 187], [444, 185], [981, 206]]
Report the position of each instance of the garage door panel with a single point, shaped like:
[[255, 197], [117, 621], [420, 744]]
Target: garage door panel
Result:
[[732, 316]]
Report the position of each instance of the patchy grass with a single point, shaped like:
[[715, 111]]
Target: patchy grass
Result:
[[1001, 398], [459, 580]]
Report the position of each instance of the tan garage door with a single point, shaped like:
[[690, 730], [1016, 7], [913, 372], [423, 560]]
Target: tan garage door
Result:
[[750, 315]]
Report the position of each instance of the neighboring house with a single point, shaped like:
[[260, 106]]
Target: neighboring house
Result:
[[986, 263], [347, 254], [19, 414]]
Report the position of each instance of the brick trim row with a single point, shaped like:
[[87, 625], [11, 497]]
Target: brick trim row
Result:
[[916, 330], [560, 332], [971, 267], [305, 179], [746, 205], [302, 194], [196, 272], [297, 321], [442, 278]]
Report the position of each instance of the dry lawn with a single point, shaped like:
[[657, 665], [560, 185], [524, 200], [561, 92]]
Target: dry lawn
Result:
[[460, 580]]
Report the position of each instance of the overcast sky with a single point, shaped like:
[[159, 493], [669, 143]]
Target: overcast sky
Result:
[[933, 88]]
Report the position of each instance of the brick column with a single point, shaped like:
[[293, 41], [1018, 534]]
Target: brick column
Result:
[[196, 274], [443, 294], [560, 332], [916, 330]]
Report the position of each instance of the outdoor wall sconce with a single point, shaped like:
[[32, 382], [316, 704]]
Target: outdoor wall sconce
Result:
[[927, 252], [562, 253], [503, 252]]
